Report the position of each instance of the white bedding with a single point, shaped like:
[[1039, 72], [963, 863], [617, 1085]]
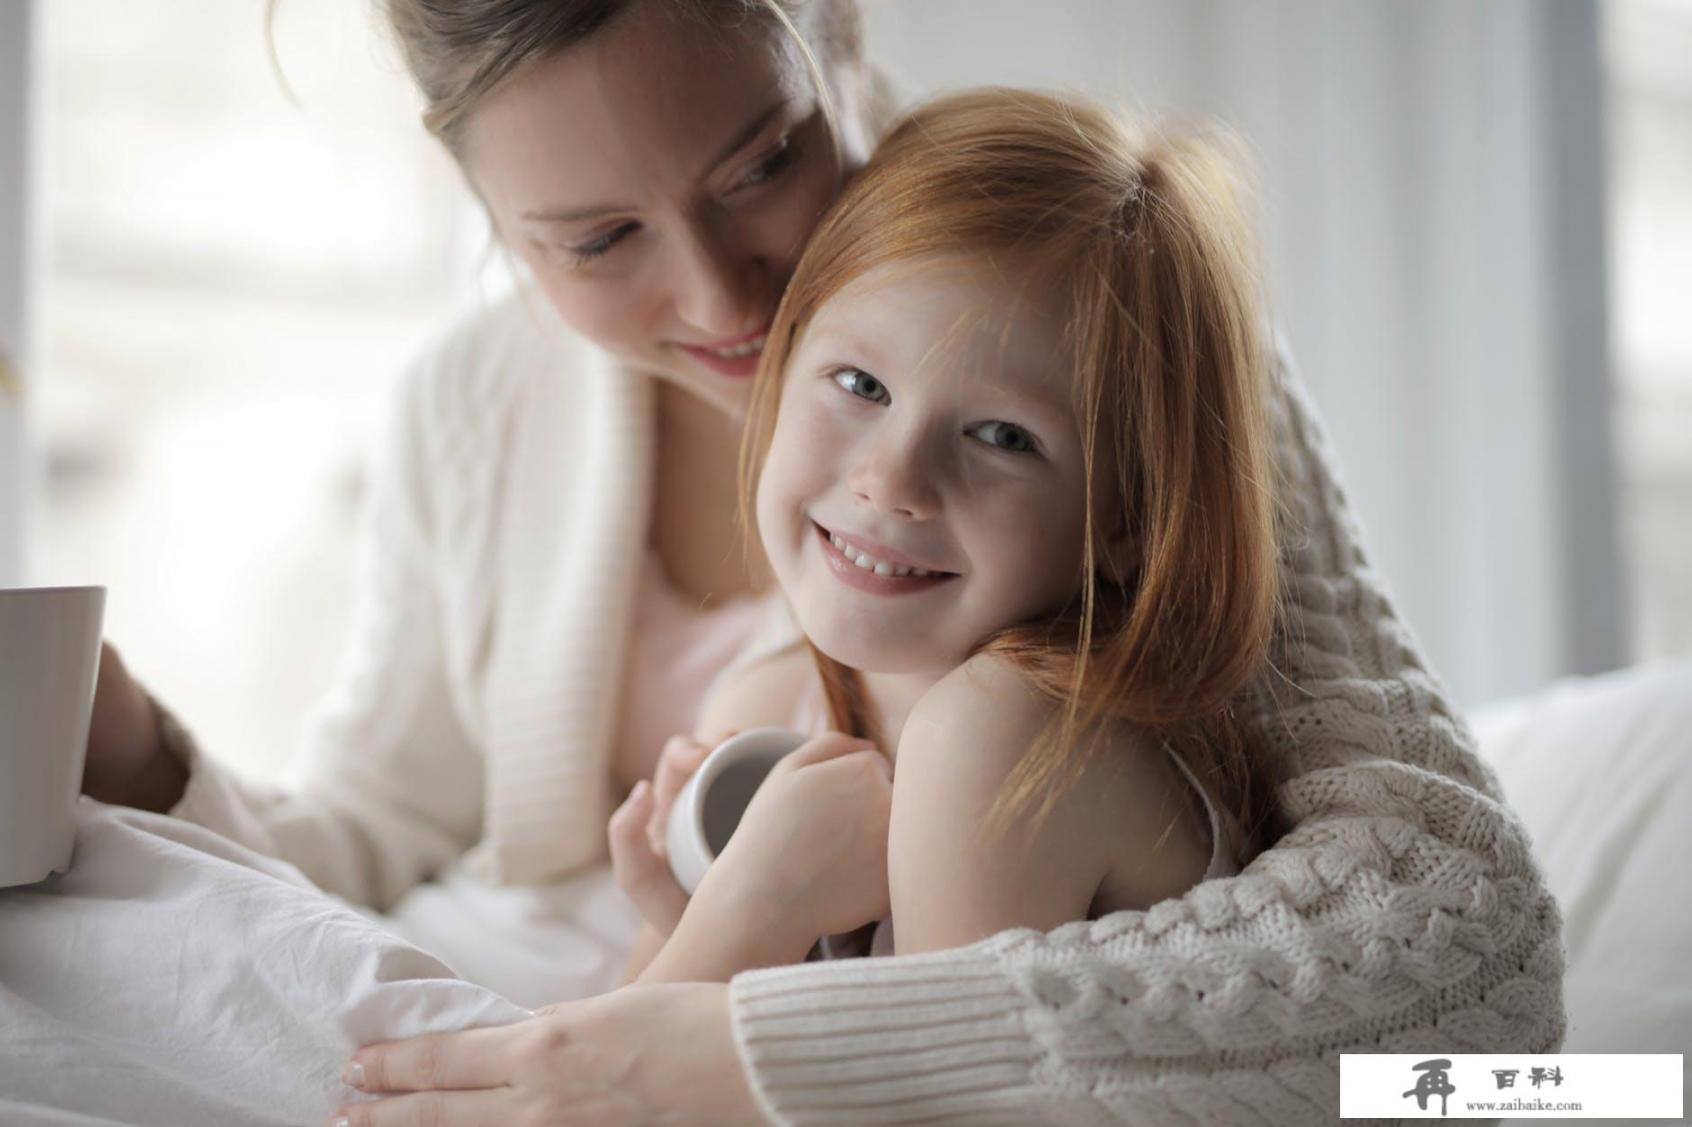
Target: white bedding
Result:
[[172, 977], [534, 944]]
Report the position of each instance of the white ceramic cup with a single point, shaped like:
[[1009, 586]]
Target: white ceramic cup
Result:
[[49, 659], [709, 806]]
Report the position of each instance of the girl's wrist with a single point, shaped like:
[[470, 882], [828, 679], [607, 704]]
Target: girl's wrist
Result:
[[723, 932], [760, 918]]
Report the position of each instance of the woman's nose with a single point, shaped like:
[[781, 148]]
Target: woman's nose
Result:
[[721, 284], [894, 478]]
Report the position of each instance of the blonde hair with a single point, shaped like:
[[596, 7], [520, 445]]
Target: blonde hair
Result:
[[1145, 237]]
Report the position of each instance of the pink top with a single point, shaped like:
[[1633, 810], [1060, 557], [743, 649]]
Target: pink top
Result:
[[676, 650]]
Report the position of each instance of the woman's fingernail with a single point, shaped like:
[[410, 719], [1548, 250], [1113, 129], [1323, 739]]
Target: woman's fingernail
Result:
[[341, 1122], [352, 1074]]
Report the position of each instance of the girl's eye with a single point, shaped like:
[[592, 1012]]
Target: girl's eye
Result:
[[1005, 436], [785, 154], [862, 384], [587, 252]]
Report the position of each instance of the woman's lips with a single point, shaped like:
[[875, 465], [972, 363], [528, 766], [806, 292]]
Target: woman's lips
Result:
[[854, 576]]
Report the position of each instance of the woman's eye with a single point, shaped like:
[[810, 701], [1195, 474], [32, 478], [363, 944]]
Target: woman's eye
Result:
[[862, 384], [586, 252], [1005, 436], [774, 164]]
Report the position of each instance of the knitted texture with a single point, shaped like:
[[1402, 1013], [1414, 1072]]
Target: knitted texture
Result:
[[1402, 912]]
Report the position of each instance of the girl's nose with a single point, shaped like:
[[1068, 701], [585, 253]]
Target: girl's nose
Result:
[[721, 285], [894, 479]]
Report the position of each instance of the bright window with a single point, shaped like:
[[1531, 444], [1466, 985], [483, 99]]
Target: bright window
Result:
[[231, 282], [1647, 47]]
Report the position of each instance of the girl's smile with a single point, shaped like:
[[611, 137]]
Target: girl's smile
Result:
[[871, 567]]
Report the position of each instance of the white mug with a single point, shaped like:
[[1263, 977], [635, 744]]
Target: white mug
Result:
[[709, 806], [49, 659]]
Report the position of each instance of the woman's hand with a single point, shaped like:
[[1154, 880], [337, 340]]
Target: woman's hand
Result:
[[127, 763], [639, 1055], [639, 856], [811, 850]]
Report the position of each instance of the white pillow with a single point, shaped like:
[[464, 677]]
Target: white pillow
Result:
[[1600, 770]]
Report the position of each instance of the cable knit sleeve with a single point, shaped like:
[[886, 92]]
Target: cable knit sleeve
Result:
[[392, 782], [1403, 912]]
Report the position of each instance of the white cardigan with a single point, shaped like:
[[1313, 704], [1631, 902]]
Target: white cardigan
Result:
[[478, 703], [1403, 913]]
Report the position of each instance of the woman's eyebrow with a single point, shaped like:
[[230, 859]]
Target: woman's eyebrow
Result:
[[740, 140]]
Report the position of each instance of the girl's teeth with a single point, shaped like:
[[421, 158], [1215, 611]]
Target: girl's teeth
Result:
[[870, 563]]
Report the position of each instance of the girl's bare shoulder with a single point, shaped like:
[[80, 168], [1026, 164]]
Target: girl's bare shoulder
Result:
[[1129, 814], [985, 696], [993, 705], [983, 718]]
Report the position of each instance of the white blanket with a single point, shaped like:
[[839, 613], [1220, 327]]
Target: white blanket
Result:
[[173, 977]]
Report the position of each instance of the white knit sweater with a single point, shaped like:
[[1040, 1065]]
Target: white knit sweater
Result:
[[1404, 913], [477, 710]]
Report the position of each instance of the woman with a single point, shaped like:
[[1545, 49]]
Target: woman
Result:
[[657, 166]]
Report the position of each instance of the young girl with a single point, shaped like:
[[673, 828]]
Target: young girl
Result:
[[1012, 475]]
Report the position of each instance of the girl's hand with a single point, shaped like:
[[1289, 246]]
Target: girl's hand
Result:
[[811, 849], [639, 856], [639, 1055]]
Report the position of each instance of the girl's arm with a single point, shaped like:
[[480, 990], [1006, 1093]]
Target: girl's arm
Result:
[[952, 883], [715, 941]]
